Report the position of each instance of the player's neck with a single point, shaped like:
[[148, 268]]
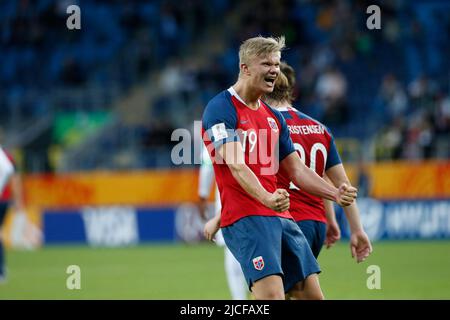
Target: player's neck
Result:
[[247, 94], [278, 104]]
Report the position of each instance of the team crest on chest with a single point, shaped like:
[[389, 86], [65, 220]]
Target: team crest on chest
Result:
[[258, 263], [273, 124]]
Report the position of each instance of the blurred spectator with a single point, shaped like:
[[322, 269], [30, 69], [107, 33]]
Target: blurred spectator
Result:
[[331, 86], [442, 115], [389, 141], [171, 78], [364, 183], [393, 96], [331, 89]]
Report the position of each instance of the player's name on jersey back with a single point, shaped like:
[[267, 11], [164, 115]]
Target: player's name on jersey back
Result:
[[306, 129]]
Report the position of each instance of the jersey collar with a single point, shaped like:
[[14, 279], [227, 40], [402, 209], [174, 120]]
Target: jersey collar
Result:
[[234, 93]]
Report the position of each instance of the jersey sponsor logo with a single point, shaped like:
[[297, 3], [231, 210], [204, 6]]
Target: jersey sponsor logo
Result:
[[258, 263], [244, 121], [273, 124], [219, 131]]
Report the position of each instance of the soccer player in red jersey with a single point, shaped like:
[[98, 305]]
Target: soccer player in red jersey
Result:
[[248, 141], [316, 147]]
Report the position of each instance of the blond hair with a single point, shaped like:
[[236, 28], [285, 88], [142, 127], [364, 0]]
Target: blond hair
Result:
[[284, 85], [259, 46]]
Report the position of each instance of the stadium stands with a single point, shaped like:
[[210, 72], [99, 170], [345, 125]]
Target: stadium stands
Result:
[[151, 67]]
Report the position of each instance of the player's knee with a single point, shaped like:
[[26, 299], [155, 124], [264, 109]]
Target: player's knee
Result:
[[269, 288], [269, 294], [302, 292], [296, 294], [305, 295], [316, 295], [274, 295]]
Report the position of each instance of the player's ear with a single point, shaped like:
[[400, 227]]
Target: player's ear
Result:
[[244, 69]]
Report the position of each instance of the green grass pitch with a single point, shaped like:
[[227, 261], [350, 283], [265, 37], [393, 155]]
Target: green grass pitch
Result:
[[409, 270]]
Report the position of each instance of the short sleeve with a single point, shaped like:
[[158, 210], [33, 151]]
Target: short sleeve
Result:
[[220, 121], [333, 155]]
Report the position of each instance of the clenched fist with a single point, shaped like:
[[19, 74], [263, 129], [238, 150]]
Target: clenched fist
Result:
[[278, 201], [346, 195]]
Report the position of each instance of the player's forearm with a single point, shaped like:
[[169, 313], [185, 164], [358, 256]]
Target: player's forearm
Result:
[[352, 214], [329, 211], [217, 219], [337, 176], [311, 182], [329, 206], [249, 182]]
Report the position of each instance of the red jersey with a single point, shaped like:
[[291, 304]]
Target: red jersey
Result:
[[6, 195], [316, 147], [265, 141]]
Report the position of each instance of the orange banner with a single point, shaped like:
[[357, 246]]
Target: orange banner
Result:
[[137, 188], [411, 180], [393, 180]]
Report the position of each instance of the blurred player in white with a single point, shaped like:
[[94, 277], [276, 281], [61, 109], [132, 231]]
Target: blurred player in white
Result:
[[235, 278], [9, 193]]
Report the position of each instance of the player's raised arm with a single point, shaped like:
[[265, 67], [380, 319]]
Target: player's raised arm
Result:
[[359, 241], [311, 182], [305, 178], [233, 156]]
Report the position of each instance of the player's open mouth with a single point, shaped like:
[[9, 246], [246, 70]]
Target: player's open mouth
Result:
[[269, 80]]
